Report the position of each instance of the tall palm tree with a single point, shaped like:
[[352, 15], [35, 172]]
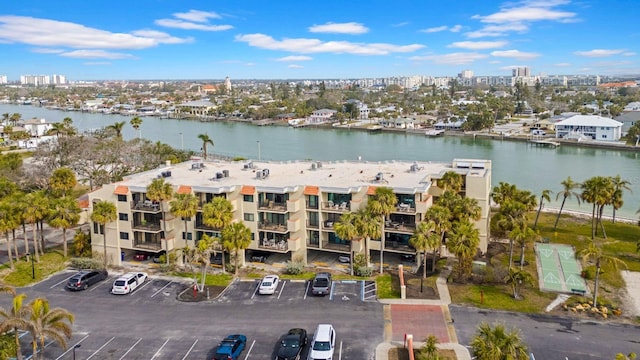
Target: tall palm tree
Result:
[[382, 203], [44, 323], [62, 181], [439, 216], [498, 343], [504, 191], [117, 128], [236, 237], [594, 253], [424, 239], [463, 243], [597, 191], [451, 181], [202, 254], [568, 187], [161, 191], [136, 122], [184, 206], [546, 195], [36, 208], [367, 228], [218, 214], [64, 214], [525, 235], [205, 141], [14, 318], [517, 279], [8, 223], [103, 213], [347, 228], [619, 185]]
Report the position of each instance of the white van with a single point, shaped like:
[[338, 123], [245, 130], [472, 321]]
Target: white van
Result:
[[128, 282], [538, 132], [324, 341]]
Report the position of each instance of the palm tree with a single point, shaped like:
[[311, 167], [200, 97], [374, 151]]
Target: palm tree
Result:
[[424, 239], [205, 141], [619, 185], [530, 235], [161, 191], [202, 254], [347, 228], [593, 252], [8, 223], [429, 350], [463, 243], [546, 195], [117, 127], [522, 234], [498, 343], [136, 122], [103, 213], [518, 278], [62, 181], [218, 214], [45, 322], [503, 192], [64, 214], [439, 216], [36, 208], [567, 192], [451, 181], [184, 206], [382, 203], [14, 318], [236, 237], [595, 191], [367, 228]]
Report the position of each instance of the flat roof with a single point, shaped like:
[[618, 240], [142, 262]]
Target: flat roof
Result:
[[333, 176]]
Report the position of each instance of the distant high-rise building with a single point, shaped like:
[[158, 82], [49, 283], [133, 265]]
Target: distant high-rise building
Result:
[[58, 79], [522, 72], [227, 84], [36, 80], [466, 74], [3, 79]]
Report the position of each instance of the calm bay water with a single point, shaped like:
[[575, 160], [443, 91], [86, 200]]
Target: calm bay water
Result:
[[529, 167]]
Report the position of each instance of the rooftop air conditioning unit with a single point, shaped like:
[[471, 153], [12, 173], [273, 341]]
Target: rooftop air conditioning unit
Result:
[[219, 175], [225, 173], [319, 164], [265, 173], [314, 166], [259, 175], [414, 168], [379, 177]]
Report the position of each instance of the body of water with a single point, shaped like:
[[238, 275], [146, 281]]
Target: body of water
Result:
[[529, 167]]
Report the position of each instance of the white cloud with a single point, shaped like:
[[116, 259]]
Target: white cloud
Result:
[[341, 28], [515, 54], [455, 28], [197, 15], [47, 51], [628, 53], [94, 63], [295, 58], [187, 25], [44, 32], [401, 24], [599, 52], [477, 45], [96, 54], [451, 58], [309, 46], [497, 30], [294, 66]]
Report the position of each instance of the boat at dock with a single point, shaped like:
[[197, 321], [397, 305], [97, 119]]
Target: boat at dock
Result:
[[434, 132]]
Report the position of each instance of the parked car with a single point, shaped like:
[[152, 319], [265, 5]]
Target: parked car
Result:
[[321, 284], [85, 278], [259, 256], [268, 285], [292, 344], [141, 256], [345, 259], [231, 347], [323, 344], [156, 257], [408, 257], [128, 282]]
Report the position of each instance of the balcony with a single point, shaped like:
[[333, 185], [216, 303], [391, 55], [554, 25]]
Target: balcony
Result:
[[281, 228], [405, 208], [270, 205], [146, 205], [335, 207], [393, 226], [312, 206], [398, 246], [326, 245], [147, 245], [202, 226], [272, 244], [327, 225], [146, 226], [313, 224]]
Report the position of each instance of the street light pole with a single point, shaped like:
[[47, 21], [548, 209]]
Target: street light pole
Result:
[[74, 350], [33, 267]]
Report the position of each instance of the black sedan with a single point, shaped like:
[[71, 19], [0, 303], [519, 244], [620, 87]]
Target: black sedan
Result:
[[292, 345], [85, 278]]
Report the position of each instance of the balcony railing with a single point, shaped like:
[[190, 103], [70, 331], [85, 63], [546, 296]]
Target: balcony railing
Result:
[[333, 246], [145, 206], [400, 227], [313, 224], [272, 227], [202, 226], [312, 206], [340, 207], [148, 245], [272, 205], [280, 245], [405, 208], [146, 226]]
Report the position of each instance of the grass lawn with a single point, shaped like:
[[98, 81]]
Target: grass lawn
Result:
[[210, 280], [499, 297], [385, 287], [50, 263]]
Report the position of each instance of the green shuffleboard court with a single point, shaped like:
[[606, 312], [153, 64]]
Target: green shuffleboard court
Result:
[[558, 269]]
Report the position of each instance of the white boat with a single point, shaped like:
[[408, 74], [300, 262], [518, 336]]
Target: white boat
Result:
[[434, 132]]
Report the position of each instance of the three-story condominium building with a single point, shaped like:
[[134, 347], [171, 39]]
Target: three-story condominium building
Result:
[[290, 207]]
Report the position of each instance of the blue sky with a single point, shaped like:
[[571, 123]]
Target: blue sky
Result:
[[255, 39]]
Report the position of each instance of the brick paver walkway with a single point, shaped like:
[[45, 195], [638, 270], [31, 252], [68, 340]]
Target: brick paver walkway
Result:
[[419, 320]]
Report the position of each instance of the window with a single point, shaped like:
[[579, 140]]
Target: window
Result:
[[248, 217], [123, 217], [248, 198], [187, 236], [124, 236], [122, 198], [97, 228]]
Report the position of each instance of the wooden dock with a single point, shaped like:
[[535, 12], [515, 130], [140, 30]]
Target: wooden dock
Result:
[[541, 142]]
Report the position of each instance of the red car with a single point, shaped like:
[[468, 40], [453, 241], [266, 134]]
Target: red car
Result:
[[141, 256]]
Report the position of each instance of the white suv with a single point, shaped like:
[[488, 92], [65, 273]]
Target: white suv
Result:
[[128, 282], [324, 341]]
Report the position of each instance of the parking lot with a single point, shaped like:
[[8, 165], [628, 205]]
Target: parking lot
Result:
[[150, 323]]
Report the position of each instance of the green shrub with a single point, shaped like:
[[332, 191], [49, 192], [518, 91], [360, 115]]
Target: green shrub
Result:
[[294, 267], [86, 263], [589, 273], [362, 271]]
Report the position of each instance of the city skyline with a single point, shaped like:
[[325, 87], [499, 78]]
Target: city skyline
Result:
[[156, 39]]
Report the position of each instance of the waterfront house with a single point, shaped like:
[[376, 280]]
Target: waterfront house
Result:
[[322, 116], [589, 127], [196, 107], [289, 207], [628, 119], [37, 127]]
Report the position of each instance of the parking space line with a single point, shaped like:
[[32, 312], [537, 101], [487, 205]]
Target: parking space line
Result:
[[333, 284], [249, 351], [39, 350], [131, 348], [156, 293], [101, 347], [191, 348], [340, 352], [255, 291], [282, 288], [306, 290], [58, 283], [161, 347], [143, 285], [72, 347], [96, 286]]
